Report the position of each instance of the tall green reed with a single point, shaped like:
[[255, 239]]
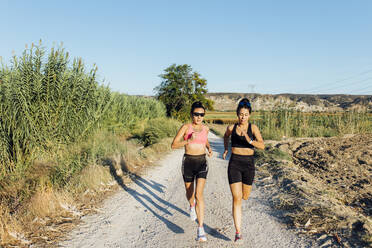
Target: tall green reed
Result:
[[287, 123], [126, 111], [46, 100]]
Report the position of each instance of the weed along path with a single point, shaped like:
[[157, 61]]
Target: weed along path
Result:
[[152, 211]]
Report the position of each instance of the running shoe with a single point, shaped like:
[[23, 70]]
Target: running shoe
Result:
[[238, 238], [201, 235], [192, 213]]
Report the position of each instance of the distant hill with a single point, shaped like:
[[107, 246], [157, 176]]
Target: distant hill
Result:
[[301, 102]]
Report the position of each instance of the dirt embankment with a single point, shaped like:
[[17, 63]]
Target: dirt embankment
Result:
[[325, 185]]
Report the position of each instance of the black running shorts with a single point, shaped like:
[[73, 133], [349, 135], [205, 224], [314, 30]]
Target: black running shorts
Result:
[[241, 169], [194, 166]]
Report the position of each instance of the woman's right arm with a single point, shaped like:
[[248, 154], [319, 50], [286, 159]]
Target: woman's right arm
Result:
[[226, 140], [177, 142]]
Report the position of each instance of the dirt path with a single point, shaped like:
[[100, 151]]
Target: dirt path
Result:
[[152, 212]]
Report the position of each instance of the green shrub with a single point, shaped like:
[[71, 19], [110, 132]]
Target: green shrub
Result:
[[99, 145], [126, 111], [158, 129]]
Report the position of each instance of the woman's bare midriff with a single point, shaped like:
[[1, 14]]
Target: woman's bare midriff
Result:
[[195, 149], [242, 151]]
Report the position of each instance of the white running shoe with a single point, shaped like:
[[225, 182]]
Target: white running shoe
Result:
[[192, 213], [201, 235]]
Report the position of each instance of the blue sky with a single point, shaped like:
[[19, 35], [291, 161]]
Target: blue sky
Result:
[[238, 46]]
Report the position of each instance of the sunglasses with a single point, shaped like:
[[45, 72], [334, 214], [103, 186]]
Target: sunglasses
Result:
[[198, 114], [241, 104]]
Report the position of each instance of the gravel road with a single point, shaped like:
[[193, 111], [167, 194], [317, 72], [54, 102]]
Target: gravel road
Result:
[[153, 212]]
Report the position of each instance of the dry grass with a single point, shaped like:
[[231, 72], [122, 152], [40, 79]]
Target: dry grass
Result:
[[44, 203], [10, 228], [92, 178], [49, 213]]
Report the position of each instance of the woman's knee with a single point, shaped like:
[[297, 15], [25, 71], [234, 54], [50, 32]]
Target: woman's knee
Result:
[[190, 188], [189, 193], [199, 196], [237, 199], [246, 196], [246, 191]]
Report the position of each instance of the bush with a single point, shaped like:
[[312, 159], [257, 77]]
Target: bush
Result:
[[126, 111], [158, 129]]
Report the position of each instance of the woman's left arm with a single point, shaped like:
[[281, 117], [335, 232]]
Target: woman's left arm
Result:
[[258, 143]]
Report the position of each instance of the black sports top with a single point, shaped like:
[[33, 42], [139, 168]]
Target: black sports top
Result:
[[241, 141]]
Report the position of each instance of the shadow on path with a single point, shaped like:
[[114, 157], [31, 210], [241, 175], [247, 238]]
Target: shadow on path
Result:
[[211, 231], [144, 199], [148, 200]]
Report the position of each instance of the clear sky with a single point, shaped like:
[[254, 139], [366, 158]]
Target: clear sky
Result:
[[318, 46]]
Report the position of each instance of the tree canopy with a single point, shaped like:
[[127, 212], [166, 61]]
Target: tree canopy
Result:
[[180, 87]]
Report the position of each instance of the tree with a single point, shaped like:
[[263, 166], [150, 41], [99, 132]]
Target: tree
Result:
[[180, 87]]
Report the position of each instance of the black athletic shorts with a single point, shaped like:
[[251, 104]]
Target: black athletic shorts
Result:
[[194, 166], [241, 169]]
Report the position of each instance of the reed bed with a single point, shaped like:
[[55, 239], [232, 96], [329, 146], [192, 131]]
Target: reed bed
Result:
[[125, 112], [285, 123], [45, 101], [49, 101]]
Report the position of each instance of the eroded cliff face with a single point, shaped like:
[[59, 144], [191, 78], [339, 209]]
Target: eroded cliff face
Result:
[[305, 103]]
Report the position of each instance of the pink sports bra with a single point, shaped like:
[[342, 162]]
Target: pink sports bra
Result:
[[200, 137]]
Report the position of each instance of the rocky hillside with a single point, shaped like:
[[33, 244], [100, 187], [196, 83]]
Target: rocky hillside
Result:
[[305, 103]]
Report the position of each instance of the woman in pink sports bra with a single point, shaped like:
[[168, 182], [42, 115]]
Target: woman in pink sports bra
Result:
[[194, 137]]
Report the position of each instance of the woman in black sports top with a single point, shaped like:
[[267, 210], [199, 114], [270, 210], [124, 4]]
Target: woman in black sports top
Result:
[[244, 138]]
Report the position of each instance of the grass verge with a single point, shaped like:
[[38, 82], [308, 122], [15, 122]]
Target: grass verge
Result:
[[41, 204]]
